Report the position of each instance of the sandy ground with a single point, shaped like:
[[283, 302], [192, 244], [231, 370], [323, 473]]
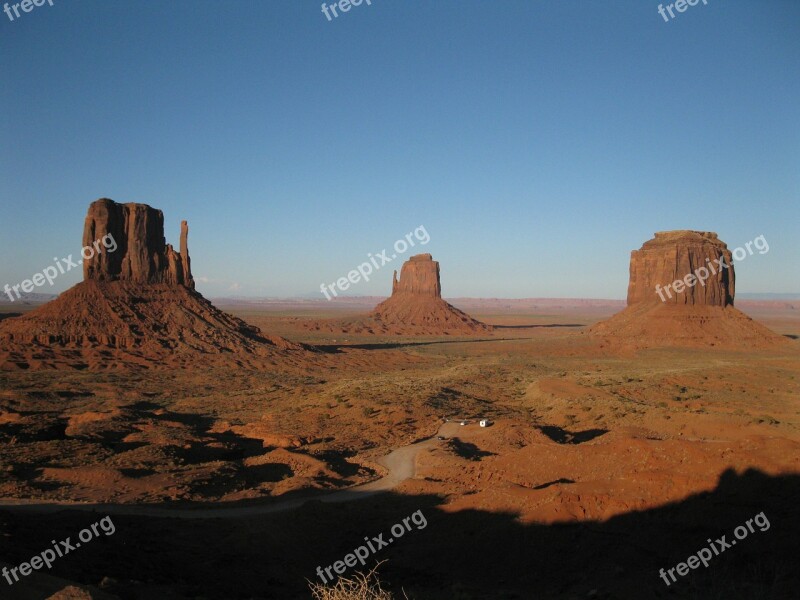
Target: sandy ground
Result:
[[600, 468]]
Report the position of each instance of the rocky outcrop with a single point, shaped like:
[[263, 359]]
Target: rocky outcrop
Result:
[[136, 308], [418, 276], [696, 257], [416, 304], [132, 246], [415, 307], [696, 312]]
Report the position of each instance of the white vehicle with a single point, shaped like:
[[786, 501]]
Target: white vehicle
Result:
[[485, 422]]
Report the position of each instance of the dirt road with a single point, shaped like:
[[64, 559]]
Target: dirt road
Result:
[[400, 464]]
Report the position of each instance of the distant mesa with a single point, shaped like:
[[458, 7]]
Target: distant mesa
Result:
[[415, 307], [136, 307], [416, 302], [697, 311]]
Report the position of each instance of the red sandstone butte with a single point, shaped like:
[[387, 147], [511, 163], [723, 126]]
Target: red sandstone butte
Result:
[[142, 255], [671, 256], [416, 303], [419, 276], [698, 315], [136, 307]]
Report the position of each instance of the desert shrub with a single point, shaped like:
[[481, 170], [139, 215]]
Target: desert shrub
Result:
[[362, 586]]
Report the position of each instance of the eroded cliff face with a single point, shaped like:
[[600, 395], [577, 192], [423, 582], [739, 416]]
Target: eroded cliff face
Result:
[[142, 254], [674, 255], [419, 276]]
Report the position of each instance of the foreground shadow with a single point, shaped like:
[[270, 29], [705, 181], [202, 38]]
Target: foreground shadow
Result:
[[466, 554]]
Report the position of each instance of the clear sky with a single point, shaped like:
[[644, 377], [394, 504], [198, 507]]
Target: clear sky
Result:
[[538, 143]]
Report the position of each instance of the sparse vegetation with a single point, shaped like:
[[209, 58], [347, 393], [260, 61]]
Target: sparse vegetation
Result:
[[362, 586]]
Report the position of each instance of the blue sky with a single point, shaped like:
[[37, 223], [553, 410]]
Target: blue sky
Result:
[[538, 143]]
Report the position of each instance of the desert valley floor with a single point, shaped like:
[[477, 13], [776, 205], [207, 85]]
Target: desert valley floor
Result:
[[603, 463]]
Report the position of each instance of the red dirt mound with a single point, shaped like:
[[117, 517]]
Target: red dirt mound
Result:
[[120, 322], [430, 316], [652, 326]]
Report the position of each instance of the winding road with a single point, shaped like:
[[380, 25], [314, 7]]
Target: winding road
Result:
[[400, 464]]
